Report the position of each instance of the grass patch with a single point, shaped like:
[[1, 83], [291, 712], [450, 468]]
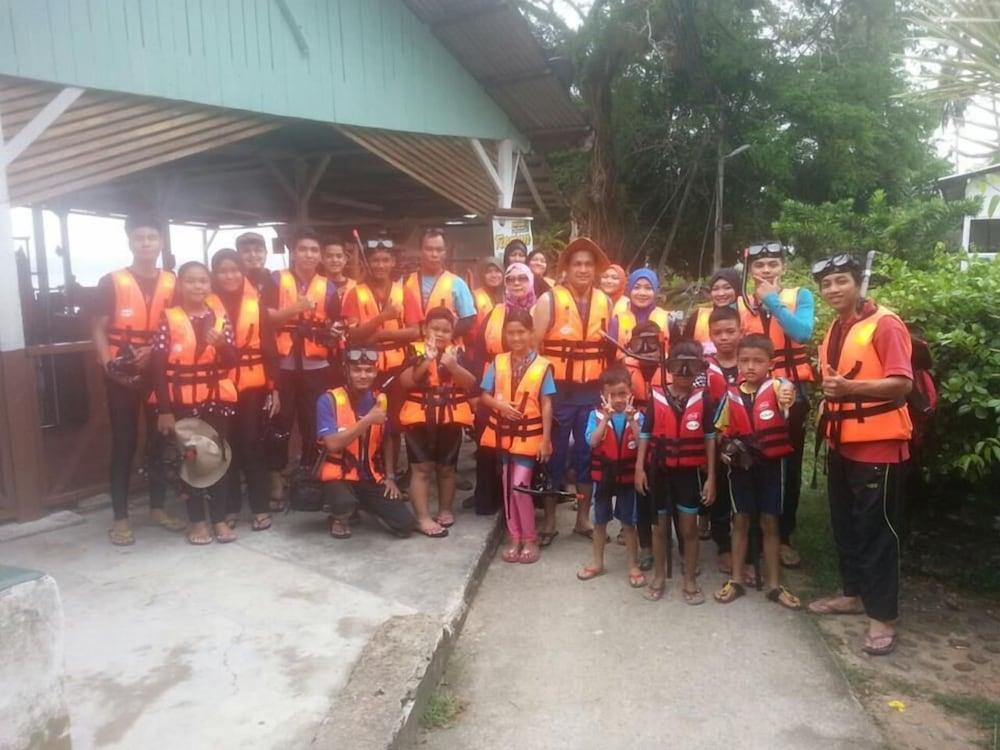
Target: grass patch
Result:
[[813, 535], [981, 711], [443, 708]]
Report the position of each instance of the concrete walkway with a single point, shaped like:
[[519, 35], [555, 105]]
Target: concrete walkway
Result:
[[243, 645], [546, 661]]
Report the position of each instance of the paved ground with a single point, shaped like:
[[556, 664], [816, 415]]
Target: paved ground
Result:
[[242, 645], [545, 661]]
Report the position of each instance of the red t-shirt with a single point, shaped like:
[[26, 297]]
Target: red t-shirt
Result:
[[893, 347]]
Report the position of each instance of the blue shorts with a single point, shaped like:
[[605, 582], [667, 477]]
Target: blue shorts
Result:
[[623, 506], [759, 489], [677, 490]]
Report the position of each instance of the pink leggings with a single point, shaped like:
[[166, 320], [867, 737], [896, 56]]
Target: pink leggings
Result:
[[519, 508]]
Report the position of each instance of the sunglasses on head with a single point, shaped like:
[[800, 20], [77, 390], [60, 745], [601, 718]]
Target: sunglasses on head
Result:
[[834, 264], [766, 250], [686, 366], [356, 356], [381, 242]]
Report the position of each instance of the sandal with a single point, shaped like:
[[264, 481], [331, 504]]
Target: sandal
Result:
[[694, 598], [545, 538], [224, 534], [199, 539], [589, 573], [654, 593], [170, 523], [825, 606], [529, 556], [636, 582], [511, 554], [121, 538], [439, 533], [448, 522], [339, 529], [888, 642], [730, 592], [262, 523], [785, 598], [586, 533], [646, 562]]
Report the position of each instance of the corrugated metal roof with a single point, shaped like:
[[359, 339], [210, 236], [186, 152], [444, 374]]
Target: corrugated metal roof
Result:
[[495, 43]]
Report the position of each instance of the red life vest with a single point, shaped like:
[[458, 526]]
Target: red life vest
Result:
[[679, 439], [718, 383], [764, 423], [620, 454]]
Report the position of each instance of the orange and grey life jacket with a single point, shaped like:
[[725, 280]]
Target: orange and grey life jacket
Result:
[[575, 347], [679, 439], [858, 420], [194, 377], [308, 326], [391, 354], [249, 370], [522, 438], [136, 318], [791, 359], [365, 451], [435, 401], [764, 424]]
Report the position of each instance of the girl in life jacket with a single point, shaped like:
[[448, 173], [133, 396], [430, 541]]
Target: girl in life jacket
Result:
[[517, 390], [193, 353]]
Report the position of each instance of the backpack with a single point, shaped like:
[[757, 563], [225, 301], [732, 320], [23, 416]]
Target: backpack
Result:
[[923, 397]]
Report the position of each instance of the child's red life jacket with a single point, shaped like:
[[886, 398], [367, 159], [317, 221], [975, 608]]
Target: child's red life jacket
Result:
[[717, 383], [764, 423], [679, 439], [621, 454]]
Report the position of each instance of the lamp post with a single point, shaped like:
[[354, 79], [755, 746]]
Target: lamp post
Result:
[[719, 178]]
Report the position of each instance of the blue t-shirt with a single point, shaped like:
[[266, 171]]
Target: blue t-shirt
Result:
[[618, 422], [490, 376], [326, 418], [461, 297]]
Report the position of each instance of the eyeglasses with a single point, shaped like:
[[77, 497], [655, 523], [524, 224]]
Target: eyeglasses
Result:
[[834, 264], [766, 250], [686, 366], [520, 278], [355, 356]]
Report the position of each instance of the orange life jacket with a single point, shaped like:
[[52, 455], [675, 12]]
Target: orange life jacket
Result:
[[852, 420], [344, 288], [194, 377], [702, 314], [791, 359], [136, 318], [617, 455], [440, 296], [620, 305], [640, 386], [365, 451], [434, 402], [493, 332], [522, 438], [679, 439], [576, 348], [764, 423], [308, 325], [249, 371], [484, 304], [391, 354]]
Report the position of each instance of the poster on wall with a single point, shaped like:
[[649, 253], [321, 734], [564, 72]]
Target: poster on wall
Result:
[[507, 228]]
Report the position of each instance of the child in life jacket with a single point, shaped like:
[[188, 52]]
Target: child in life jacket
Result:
[[613, 436], [517, 389], [676, 464], [753, 427], [435, 411]]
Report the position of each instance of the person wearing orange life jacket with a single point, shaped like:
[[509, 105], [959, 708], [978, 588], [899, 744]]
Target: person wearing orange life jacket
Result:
[[435, 412], [786, 316], [487, 296], [335, 266], [125, 316], [678, 425], [865, 363], [519, 296], [517, 390], [640, 306], [304, 310], [571, 322], [193, 356], [357, 468], [255, 378], [753, 422], [723, 289], [432, 286]]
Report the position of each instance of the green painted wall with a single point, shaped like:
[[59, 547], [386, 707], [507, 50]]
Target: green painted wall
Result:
[[370, 62]]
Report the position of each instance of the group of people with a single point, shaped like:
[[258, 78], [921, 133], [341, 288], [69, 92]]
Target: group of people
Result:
[[579, 380]]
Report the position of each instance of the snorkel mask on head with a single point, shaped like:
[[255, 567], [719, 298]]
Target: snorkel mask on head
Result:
[[685, 365]]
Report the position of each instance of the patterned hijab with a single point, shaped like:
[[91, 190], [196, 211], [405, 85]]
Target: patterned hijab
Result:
[[526, 302]]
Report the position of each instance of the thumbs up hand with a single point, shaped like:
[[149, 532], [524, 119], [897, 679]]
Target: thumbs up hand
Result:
[[835, 385]]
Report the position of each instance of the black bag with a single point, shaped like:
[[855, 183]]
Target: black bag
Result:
[[305, 492]]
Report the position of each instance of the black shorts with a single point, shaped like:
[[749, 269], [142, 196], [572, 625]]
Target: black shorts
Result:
[[433, 444], [677, 489], [759, 489]]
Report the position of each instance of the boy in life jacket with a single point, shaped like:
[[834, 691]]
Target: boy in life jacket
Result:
[[435, 411], [678, 424], [867, 372], [753, 426], [613, 436], [350, 424]]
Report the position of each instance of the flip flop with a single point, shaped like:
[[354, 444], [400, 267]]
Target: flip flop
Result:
[[529, 556], [694, 598], [171, 524], [545, 538], [586, 533], [785, 598], [654, 593], [121, 538], [342, 532], [636, 582], [888, 648], [441, 533], [445, 524], [511, 554], [226, 537], [730, 592], [261, 524], [200, 542], [589, 573], [822, 607]]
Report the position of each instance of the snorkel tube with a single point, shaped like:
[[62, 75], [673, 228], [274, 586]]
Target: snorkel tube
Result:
[[744, 293]]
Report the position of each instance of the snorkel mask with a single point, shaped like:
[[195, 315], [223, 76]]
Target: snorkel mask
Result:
[[686, 365]]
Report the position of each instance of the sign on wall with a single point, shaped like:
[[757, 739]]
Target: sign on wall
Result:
[[508, 228]]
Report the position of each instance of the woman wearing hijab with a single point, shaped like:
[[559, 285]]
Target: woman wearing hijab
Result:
[[489, 294], [539, 265], [515, 252], [613, 283], [519, 294], [724, 289]]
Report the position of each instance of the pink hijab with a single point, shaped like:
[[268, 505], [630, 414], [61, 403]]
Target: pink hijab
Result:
[[525, 303]]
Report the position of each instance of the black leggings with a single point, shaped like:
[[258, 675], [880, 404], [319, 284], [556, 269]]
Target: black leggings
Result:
[[299, 392], [248, 454], [124, 405]]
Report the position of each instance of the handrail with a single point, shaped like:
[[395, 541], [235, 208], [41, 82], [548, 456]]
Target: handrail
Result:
[[66, 347]]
